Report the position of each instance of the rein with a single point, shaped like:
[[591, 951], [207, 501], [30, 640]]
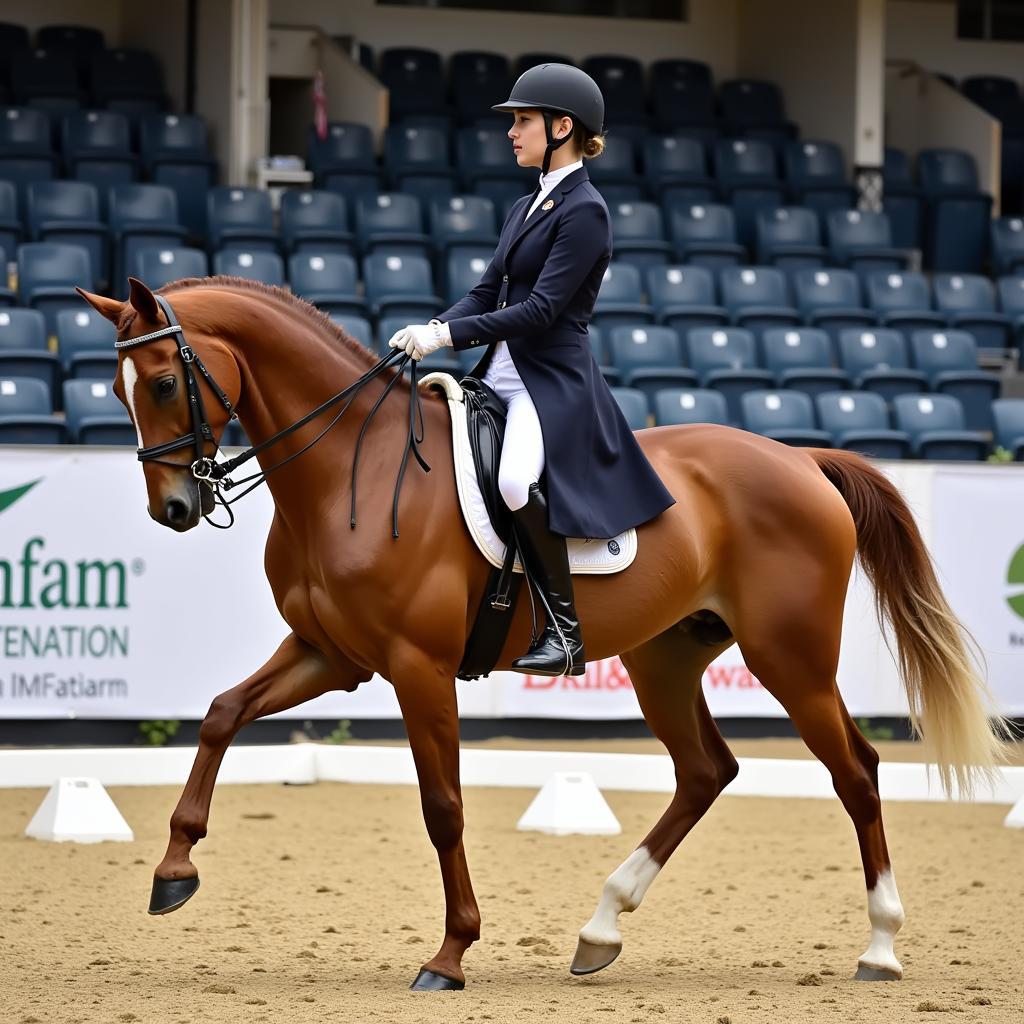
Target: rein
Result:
[[206, 470]]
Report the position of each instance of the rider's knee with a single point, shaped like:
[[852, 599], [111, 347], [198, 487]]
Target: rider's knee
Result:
[[515, 489]]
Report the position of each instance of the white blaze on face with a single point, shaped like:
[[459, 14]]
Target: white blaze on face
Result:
[[129, 376], [886, 915], [623, 891]]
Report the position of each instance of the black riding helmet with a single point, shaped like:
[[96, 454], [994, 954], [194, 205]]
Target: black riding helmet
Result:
[[557, 89]]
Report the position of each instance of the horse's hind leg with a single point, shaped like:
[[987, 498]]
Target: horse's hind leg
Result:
[[794, 652], [666, 674], [296, 673]]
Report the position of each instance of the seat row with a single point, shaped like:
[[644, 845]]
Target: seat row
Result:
[[920, 426]]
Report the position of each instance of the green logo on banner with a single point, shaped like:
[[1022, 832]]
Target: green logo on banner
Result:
[[8, 498], [1015, 577]]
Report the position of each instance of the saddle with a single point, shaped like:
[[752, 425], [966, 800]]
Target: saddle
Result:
[[478, 430]]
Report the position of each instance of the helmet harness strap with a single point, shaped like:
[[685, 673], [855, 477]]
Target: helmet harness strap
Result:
[[553, 143]]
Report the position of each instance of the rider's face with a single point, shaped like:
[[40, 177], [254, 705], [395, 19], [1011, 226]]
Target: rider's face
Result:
[[527, 133]]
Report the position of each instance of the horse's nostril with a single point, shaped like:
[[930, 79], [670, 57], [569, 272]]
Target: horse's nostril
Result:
[[177, 510]]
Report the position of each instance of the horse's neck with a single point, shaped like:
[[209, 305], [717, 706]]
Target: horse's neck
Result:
[[291, 367]]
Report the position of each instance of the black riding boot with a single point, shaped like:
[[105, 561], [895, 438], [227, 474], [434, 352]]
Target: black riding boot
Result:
[[559, 649]]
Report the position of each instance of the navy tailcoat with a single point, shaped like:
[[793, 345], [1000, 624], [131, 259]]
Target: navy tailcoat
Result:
[[537, 294]]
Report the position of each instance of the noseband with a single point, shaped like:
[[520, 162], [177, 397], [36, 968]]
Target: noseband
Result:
[[205, 469]]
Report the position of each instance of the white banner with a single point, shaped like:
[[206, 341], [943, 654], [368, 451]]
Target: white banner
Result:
[[105, 614]]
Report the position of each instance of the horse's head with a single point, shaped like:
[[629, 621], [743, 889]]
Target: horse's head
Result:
[[156, 384]]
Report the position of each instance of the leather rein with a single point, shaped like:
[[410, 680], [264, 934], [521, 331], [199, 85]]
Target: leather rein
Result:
[[206, 470]]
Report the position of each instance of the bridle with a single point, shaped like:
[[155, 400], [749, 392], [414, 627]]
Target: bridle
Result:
[[206, 470]]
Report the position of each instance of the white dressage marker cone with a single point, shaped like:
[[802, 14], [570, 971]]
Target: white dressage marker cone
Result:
[[1015, 819], [570, 803], [78, 811]]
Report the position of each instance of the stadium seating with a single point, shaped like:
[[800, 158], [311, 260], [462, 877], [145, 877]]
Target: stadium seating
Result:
[[391, 222], [26, 153], [676, 165], [95, 415], [48, 274], [127, 80], [862, 241], [401, 286], [831, 299], [756, 297], [10, 229], [315, 219], [142, 217], [816, 176], [461, 221], [639, 234], [876, 360], [704, 234], [786, 416], [620, 301], [327, 279], [649, 358], [859, 421], [682, 95], [958, 212], [902, 200], [788, 237], [24, 349], [45, 79], [1008, 416], [343, 160], [97, 148], [969, 302], [725, 358], [266, 267], [903, 301], [950, 359], [936, 427], [240, 218], [158, 266], [26, 415], [414, 79], [69, 212], [85, 344], [689, 405], [685, 297], [634, 407], [801, 359], [747, 176]]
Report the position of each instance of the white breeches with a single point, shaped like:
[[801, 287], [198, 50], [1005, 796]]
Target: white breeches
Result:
[[522, 455]]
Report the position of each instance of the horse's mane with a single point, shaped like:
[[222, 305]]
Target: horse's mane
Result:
[[320, 319]]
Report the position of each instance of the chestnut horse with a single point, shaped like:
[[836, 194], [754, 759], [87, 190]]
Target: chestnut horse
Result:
[[757, 550]]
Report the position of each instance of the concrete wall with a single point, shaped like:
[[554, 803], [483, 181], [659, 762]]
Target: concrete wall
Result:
[[709, 35], [925, 32]]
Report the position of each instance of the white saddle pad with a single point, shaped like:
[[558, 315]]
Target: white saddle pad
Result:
[[585, 556]]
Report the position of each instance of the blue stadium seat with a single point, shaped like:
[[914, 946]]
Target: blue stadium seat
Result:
[[725, 358], [26, 153], [1008, 416], [685, 297], [682, 94], [463, 269], [816, 176], [503, 192], [24, 351], [935, 424], [620, 301], [615, 175], [751, 105], [10, 230], [859, 421], [329, 280], [634, 406], [484, 153], [831, 299], [401, 286], [649, 358], [127, 80], [97, 148], [80, 41], [257, 265], [638, 234], [958, 212], [1007, 242], [757, 297], [621, 81], [1011, 302], [392, 221], [344, 161], [357, 326], [158, 266], [240, 218], [902, 200], [704, 235], [459, 222], [414, 79], [876, 360], [45, 79], [175, 153], [475, 77], [48, 274], [862, 241], [788, 237], [68, 212], [801, 359], [85, 344], [142, 217], [969, 302], [677, 165], [315, 219], [786, 416], [903, 301], [950, 359], [95, 415], [26, 413], [747, 175], [689, 405], [412, 151]]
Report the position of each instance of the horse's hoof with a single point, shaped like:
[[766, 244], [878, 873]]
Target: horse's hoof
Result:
[[865, 973], [171, 893], [428, 981], [590, 958]]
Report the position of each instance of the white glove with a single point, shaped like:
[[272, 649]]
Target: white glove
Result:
[[419, 340]]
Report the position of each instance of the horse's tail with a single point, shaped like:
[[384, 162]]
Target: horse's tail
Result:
[[950, 705]]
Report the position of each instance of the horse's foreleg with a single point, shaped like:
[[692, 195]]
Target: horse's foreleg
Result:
[[666, 674], [427, 698], [296, 673]]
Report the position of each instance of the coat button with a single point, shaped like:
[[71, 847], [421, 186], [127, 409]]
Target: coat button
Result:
[[505, 278], [501, 305]]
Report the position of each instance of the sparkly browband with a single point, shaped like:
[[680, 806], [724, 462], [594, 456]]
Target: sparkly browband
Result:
[[163, 333]]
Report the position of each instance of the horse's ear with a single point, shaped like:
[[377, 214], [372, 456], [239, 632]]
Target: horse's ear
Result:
[[109, 308], [143, 300]]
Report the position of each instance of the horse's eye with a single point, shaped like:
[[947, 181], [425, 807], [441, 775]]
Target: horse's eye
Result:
[[166, 387]]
